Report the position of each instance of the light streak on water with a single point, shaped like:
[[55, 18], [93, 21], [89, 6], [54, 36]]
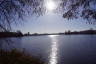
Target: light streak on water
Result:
[[54, 50]]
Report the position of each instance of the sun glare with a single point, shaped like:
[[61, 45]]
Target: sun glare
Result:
[[52, 36], [50, 5]]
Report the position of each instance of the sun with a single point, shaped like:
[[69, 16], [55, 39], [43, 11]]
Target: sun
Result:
[[50, 5]]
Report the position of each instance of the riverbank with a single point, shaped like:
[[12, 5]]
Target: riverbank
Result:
[[10, 34], [17, 57], [19, 34], [85, 32]]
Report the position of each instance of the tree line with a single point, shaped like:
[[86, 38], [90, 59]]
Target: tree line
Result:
[[11, 11], [11, 34]]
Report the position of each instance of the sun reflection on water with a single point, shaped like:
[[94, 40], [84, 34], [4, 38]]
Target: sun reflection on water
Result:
[[54, 50]]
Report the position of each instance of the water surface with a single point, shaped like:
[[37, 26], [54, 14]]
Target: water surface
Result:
[[56, 49]]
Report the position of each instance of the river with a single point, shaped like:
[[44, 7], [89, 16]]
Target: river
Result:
[[56, 49]]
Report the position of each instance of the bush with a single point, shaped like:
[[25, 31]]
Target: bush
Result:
[[17, 57]]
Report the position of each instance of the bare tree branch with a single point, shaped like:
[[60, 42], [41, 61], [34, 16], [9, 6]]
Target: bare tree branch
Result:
[[12, 10]]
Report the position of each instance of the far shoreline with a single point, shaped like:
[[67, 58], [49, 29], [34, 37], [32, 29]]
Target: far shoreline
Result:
[[19, 34]]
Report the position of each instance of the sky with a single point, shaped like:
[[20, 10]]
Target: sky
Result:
[[52, 23]]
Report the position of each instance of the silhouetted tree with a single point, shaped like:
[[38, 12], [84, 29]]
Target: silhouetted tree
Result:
[[11, 10], [91, 29], [19, 33], [28, 33], [80, 8]]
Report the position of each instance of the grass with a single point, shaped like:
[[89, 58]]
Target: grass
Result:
[[17, 57]]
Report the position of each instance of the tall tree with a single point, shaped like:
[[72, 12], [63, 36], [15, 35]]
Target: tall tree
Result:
[[80, 8], [11, 10]]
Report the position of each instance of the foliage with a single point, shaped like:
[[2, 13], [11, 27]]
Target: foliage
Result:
[[80, 8], [11, 10], [16, 57], [10, 34]]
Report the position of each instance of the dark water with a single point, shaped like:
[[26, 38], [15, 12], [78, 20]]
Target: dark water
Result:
[[56, 49]]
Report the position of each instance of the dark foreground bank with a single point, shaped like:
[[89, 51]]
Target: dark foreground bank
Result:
[[16, 57], [10, 34]]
